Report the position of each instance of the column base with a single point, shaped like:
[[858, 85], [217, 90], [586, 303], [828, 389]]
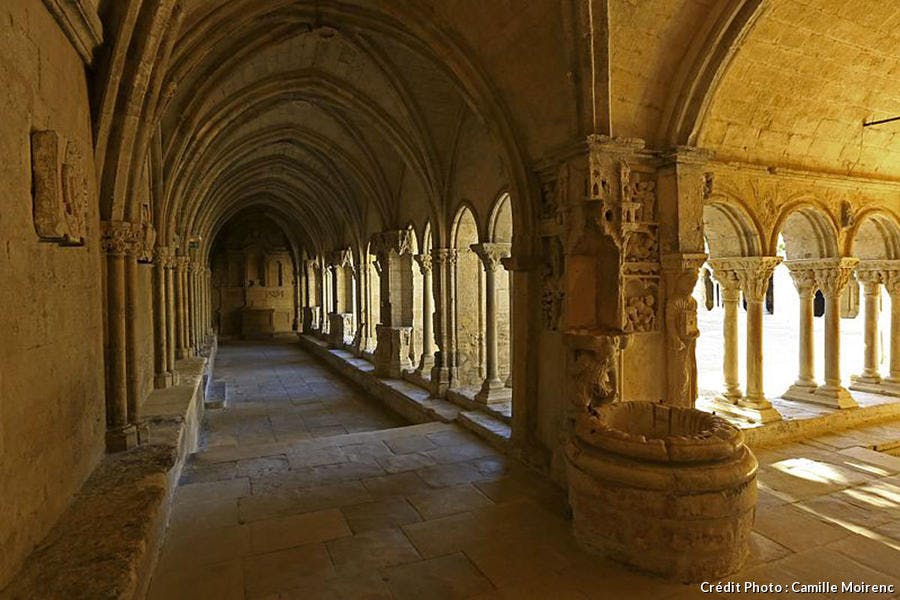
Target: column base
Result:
[[835, 397], [143, 432], [865, 379], [121, 438], [825, 395], [392, 352], [182, 353], [440, 381], [426, 364], [800, 391], [163, 380], [885, 387], [746, 410], [493, 392]]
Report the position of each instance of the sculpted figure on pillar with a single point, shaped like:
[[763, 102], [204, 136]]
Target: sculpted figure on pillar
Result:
[[681, 271]]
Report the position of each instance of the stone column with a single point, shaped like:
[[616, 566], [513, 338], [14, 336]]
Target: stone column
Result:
[[892, 284], [117, 239], [391, 355], [753, 273], [871, 281], [443, 262], [426, 362], [731, 296], [171, 330], [193, 342], [832, 276], [805, 283], [163, 371], [493, 389], [182, 349]]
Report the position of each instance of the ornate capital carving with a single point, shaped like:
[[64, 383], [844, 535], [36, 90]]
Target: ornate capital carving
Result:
[[832, 276], [752, 273], [424, 261], [164, 257], [397, 241], [444, 256], [804, 277], [119, 238], [491, 254]]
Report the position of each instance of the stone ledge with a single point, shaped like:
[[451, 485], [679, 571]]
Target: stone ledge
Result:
[[493, 430], [106, 543], [781, 432], [409, 401]]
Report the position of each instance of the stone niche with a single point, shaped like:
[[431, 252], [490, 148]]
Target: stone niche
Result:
[[667, 490]]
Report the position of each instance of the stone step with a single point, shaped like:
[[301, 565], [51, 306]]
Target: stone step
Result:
[[494, 431]]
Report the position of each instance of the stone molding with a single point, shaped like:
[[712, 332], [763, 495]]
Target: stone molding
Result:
[[80, 22]]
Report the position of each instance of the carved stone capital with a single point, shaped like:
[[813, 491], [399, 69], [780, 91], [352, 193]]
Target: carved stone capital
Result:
[[491, 254], [182, 262], [831, 274], [119, 238], [424, 261], [164, 256], [751, 272], [804, 277], [342, 258], [444, 256], [397, 241]]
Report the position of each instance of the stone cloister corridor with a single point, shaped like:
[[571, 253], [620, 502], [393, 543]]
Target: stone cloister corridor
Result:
[[449, 299]]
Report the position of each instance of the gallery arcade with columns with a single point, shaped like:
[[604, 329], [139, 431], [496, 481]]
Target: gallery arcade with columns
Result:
[[489, 215]]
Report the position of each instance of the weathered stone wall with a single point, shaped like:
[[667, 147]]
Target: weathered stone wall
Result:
[[51, 345]]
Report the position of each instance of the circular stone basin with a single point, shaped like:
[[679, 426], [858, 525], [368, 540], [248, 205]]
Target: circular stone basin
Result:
[[667, 490]]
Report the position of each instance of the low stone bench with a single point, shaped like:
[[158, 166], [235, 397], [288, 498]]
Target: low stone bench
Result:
[[104, 546]]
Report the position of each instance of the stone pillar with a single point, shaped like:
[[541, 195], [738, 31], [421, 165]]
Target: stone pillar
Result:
[[193, 342], [392, 249], [871, 281], [892, 283], [163, 370], [731, 296], [805, 282], [753, 273], [117, 239], [832, 276], [182, 349], [443, 262], [680, 271], [493, 389], [426, 362], [171, 320]]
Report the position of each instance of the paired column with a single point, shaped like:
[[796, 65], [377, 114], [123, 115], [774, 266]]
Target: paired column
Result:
[[892, 284], [871, 282], [182, 347], [443, 262], [163, 373], [832, 276], [426, 362], [730, 288], [117, 241], [805, 283], [493, 389], [753, 275]]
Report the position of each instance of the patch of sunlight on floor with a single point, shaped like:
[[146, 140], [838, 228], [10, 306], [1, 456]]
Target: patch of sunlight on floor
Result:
[[810, 470]]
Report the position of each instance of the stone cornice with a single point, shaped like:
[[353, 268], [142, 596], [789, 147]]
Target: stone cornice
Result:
[[79, 21]]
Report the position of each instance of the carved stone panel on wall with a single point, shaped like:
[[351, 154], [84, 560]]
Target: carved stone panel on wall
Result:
[[59, 190]]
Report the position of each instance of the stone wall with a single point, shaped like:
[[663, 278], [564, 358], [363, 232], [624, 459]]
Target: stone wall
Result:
[[51, 345]]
